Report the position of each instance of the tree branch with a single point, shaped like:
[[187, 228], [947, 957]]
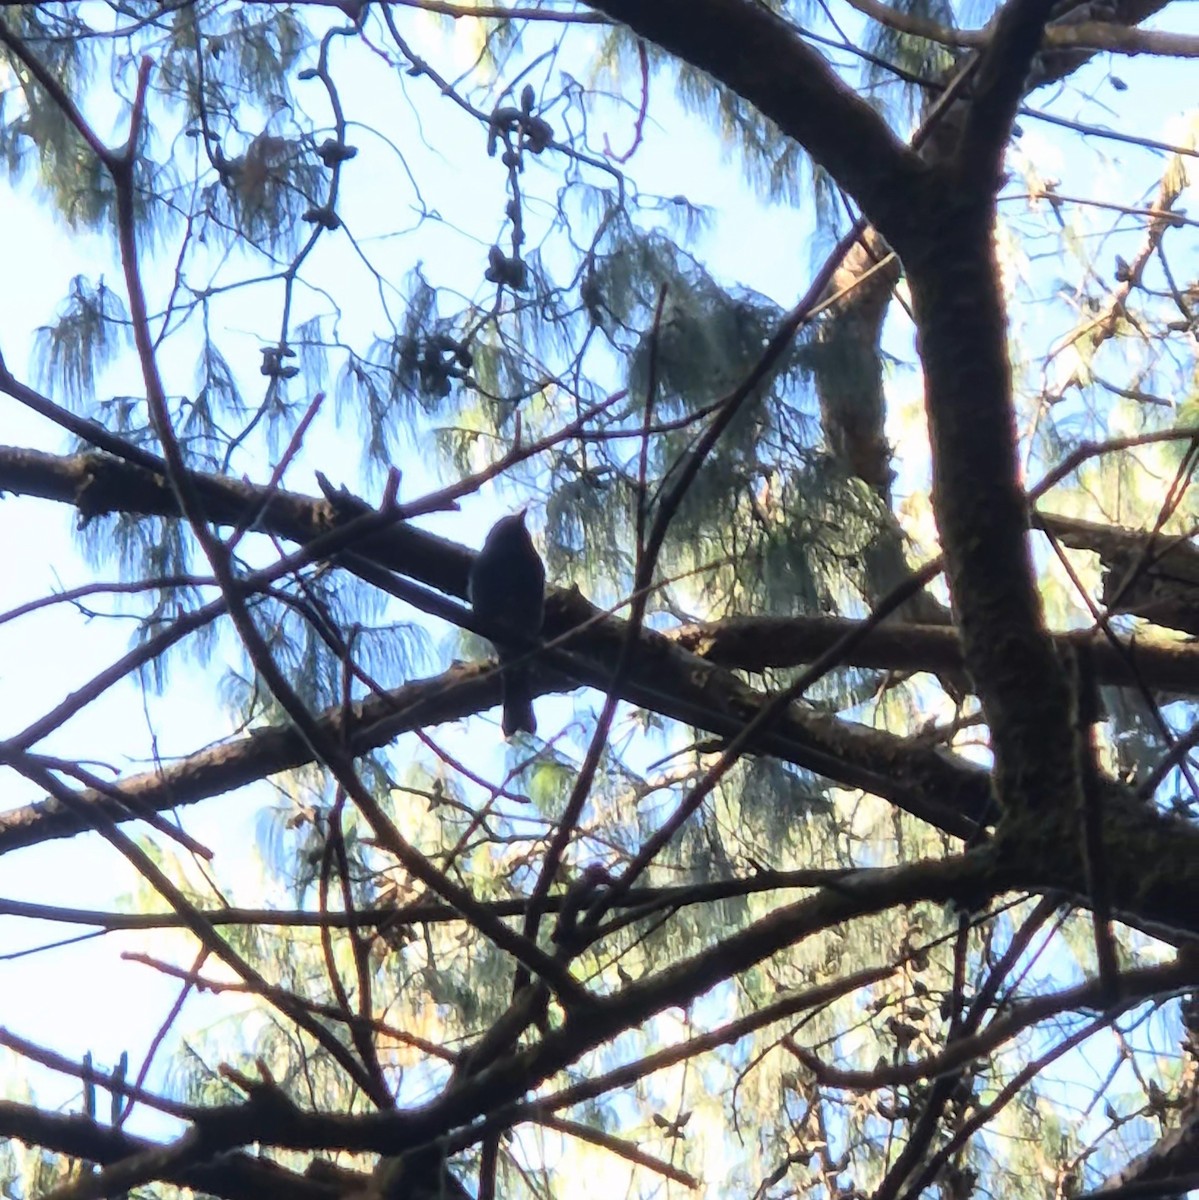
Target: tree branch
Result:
[[759, 643], [998, 88], [235, 1176], [762, 57]]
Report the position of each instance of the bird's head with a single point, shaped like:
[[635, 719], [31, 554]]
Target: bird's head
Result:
[[513, 525]]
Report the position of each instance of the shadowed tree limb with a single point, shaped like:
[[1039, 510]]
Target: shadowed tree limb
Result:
[[762, 57], [998, 87]]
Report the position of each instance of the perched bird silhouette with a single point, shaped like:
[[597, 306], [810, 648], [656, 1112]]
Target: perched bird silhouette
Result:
[[507, 585]]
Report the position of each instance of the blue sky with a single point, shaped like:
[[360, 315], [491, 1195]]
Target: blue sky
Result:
[[45, 656]]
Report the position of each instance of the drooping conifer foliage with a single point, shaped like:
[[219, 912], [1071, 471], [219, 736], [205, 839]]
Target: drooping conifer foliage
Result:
[[843, 357]]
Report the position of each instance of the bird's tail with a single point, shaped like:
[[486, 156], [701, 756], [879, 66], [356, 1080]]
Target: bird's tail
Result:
[[518, 701]]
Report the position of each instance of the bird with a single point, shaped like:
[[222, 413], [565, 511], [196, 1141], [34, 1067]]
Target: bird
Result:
[[507, 586]]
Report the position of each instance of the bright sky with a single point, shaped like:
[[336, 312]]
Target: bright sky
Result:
[[44, 657]]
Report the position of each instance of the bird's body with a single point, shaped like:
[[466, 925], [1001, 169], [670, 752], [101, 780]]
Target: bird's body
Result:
[[507, 586]]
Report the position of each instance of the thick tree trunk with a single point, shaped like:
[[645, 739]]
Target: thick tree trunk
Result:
[[981, 509]]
